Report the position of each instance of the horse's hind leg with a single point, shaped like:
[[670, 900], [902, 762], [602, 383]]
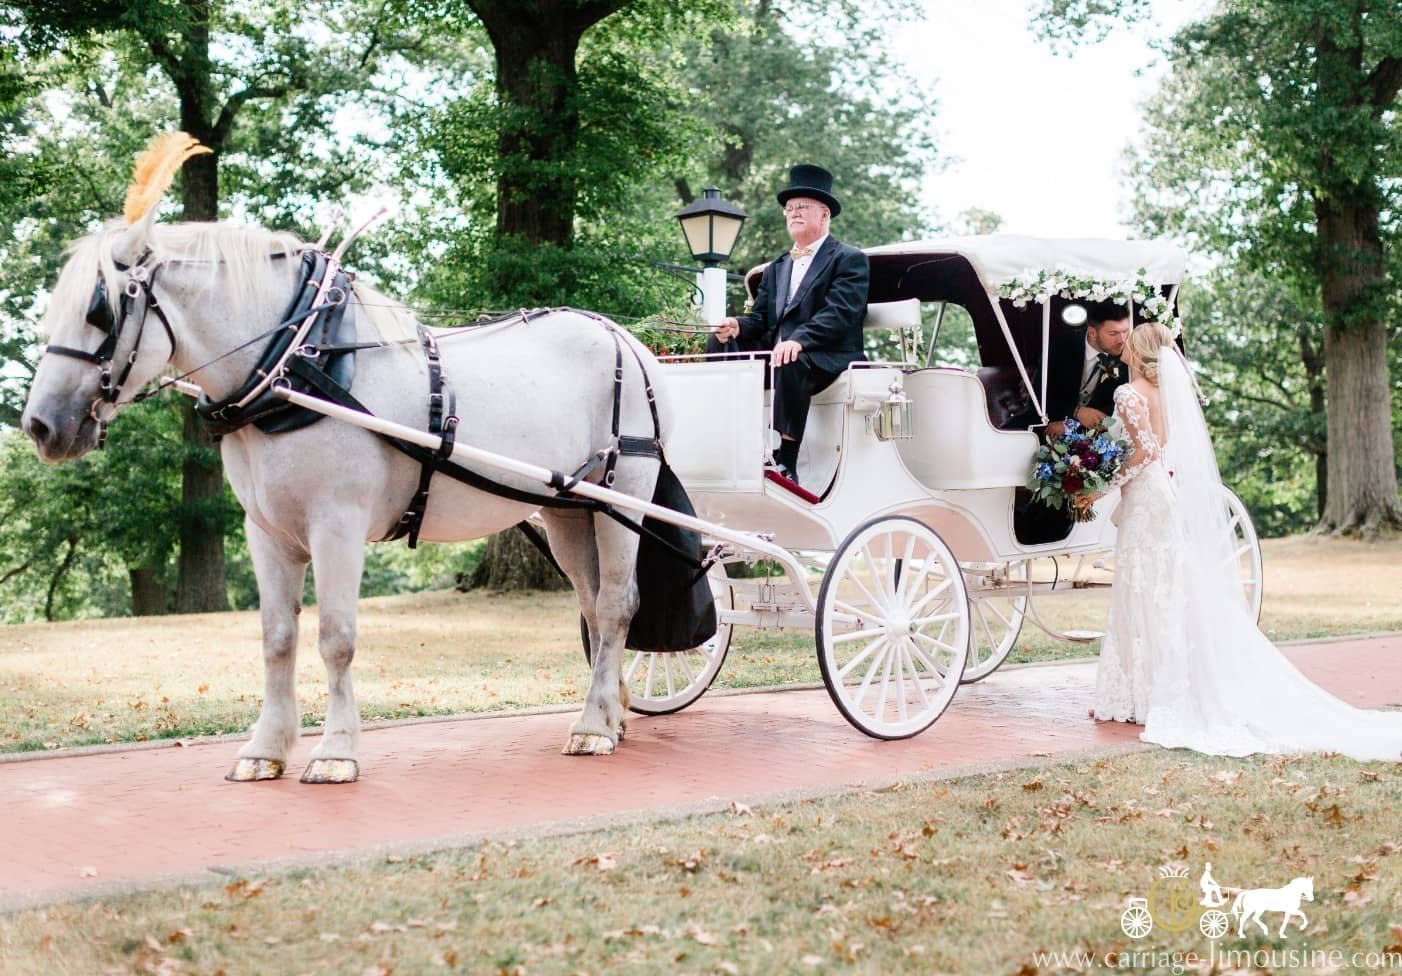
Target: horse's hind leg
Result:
[[600, 726], [281, 573], [338, 557]]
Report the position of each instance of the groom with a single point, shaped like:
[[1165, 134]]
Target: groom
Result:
[[1087, 368]]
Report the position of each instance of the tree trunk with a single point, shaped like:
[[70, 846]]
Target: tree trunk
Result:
[[199, 584], [1362, 471], [148, 590], [1312, 356], [511, 562], [535, 44], [58, 576]]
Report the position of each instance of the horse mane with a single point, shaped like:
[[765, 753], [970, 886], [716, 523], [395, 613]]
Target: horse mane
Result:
[[253, 264]]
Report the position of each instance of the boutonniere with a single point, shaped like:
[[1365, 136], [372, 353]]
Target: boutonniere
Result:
[[1112, 370]]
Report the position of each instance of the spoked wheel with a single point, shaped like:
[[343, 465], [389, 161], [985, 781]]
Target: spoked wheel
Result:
[[893, 627], [1246, 552], [995, 621], [662, 682]]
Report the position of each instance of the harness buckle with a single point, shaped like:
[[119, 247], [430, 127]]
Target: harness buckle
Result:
[[309, 351]]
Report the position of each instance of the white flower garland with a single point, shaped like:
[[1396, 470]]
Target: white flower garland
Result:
[[1039, 285]]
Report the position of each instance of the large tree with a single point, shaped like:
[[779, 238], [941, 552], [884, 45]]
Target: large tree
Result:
[[1275, 143], [222, 62]]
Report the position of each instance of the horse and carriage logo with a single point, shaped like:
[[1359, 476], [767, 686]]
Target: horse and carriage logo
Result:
[[1173, 906]]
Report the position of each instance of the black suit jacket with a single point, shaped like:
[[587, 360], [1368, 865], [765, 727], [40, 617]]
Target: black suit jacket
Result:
[[827, 312], [1068, 358]]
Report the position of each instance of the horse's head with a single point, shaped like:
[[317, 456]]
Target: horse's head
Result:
[[1306, 888], [104, 338], [97, 316]]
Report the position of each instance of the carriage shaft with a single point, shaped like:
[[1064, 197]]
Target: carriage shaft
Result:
[[465, 453]]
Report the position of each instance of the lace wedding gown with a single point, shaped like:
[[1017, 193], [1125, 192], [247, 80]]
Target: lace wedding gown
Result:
[[1182, 653]]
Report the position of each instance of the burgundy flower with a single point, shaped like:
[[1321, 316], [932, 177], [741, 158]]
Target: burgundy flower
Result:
[[1072, 482], [1091, 463]]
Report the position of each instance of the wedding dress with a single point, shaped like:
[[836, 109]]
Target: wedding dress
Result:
[[1182, 653]]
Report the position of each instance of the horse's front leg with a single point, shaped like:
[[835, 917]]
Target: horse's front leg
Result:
[[1285, 922], [281, 573], [600, 726], [338, 557]]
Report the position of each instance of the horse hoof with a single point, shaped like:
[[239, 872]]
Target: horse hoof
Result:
[[622, 730], [581, 744], [248, 770], [331, 771]]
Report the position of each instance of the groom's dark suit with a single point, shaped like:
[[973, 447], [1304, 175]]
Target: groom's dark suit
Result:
[[824, 316], [1064, 393]]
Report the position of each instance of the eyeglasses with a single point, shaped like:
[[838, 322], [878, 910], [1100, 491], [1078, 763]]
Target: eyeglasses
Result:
[[794, 208]]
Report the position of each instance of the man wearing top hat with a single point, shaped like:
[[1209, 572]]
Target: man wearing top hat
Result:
[[808, 309]]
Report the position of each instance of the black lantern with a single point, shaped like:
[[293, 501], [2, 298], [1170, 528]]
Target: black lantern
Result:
[[711, 226]]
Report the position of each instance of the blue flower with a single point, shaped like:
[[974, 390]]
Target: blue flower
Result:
[[1043, 471], [1071, 424], [1102, 445]]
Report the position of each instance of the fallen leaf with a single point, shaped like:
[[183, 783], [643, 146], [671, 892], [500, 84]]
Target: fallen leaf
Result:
[[88, 872]]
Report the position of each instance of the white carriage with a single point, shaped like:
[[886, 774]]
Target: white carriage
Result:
[[910, 550], [914, 508]]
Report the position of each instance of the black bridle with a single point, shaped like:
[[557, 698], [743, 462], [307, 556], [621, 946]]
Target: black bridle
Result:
[[138, 299]]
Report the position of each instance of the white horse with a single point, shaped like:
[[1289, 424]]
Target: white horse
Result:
[[540, 392], [1252, 903]]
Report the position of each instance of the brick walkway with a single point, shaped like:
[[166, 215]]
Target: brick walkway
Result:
[[93, 823]]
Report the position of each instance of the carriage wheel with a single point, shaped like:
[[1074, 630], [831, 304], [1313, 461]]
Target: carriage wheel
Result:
[[1136, 921], [1246, 552], [662, 682], [995, 621], [892, 627], [1213, 923]]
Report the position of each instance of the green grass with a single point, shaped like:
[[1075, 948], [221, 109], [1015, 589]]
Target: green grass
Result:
[[439, 653], [969, 876]]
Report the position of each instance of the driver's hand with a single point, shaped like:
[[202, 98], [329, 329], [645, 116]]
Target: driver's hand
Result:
[[727, 329], [786, 352]]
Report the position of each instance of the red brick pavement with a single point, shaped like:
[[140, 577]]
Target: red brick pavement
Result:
[[89, 823]]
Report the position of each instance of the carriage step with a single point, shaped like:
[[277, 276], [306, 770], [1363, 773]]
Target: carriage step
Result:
[[793, 487]]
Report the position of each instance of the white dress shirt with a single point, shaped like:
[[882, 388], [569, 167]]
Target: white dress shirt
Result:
[[1088, 367], [800, 268]]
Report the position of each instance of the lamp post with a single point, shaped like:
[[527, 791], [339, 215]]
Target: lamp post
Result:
[[711, 226]]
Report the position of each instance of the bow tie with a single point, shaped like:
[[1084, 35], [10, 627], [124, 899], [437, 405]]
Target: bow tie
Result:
[[801, 252]]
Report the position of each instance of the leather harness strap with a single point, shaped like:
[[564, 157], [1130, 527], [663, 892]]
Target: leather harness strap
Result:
[[443, 422]]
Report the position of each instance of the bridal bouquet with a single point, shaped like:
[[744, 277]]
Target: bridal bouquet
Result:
[[1078, 464]]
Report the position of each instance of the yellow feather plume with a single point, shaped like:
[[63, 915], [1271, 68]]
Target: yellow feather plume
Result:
[[156, 168]]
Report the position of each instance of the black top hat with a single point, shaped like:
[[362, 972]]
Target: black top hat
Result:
[[807, 180]]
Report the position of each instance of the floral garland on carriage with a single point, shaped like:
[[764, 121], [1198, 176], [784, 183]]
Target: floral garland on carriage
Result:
[[1039, 285]]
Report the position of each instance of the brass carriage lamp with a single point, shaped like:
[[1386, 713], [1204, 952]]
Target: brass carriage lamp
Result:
[[711, 227]]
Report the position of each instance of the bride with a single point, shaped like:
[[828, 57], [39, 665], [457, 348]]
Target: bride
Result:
[[1182, 653]]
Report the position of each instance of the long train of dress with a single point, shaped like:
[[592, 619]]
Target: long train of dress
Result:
[[1182, 652]]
